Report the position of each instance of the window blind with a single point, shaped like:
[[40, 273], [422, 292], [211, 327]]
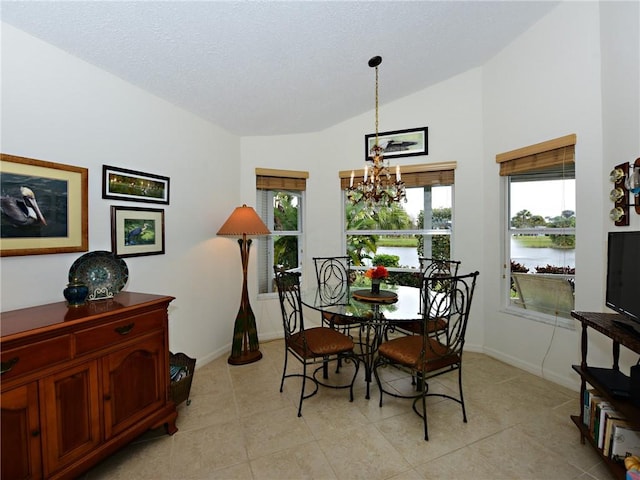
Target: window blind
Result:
[[272, 179], [441, 173], [546, 158]]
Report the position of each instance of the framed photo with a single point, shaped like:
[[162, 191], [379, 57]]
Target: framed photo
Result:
[[44, 207], [137, 231], [122, 184], [399, 143]]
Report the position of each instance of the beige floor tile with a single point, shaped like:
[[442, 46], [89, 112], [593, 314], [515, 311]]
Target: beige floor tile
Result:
[[145, 460], [242, 471], [463, 463], [211, 378], [197, 452], [275, 431], [206, 409], [301, 462], [239, 426], [518, 456], [408, 475], [377, 459], [405, 432], [330, 412]]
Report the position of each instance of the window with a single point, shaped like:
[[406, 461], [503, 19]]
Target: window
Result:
[[280, 205], [397, 237], [540, 219]]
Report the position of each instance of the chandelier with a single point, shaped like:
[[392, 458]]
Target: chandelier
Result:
[[378, 187]]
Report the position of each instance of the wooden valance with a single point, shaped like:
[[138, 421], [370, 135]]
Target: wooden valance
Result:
[[273, 179], [552, 153], [422, 175]]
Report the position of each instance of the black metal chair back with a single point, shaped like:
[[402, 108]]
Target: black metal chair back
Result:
[[434, 268], [333, 277], [288, 285], [449, 299]]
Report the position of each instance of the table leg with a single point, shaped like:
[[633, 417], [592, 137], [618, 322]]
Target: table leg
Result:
[[369, 344]]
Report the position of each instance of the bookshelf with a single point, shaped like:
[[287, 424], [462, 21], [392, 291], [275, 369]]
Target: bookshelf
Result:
[[605, 380]]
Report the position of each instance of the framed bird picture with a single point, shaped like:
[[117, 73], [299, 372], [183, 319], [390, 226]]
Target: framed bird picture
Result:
[[137, 231], [398, 143], [43, 207]]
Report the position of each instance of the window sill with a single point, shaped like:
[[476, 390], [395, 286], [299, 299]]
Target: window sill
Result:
[[561, 322], [268, 296]]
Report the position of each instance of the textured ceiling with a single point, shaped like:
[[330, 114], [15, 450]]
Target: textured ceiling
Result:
[[267, 67]]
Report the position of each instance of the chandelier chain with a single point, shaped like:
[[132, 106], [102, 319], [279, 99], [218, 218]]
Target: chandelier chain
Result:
[[377, 189], [376, 105]]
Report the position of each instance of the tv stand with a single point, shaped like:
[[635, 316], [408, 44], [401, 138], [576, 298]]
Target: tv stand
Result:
[[629, 325], [611, 384]]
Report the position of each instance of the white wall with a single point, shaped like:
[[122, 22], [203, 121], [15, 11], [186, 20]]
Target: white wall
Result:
[[545, 85], [453, 112], [60, 109], [548, 83]]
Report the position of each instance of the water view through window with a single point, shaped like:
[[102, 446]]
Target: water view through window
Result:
[[546, 200]]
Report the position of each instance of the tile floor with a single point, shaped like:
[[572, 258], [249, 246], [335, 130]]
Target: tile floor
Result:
[[239, 426]]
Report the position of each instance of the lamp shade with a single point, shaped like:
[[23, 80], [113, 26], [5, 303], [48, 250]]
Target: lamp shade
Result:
[[244, 221]]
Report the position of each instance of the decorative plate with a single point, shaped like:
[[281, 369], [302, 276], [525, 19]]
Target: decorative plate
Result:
[[102, 272]]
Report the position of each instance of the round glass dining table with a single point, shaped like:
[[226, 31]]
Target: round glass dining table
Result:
[[373, 315]]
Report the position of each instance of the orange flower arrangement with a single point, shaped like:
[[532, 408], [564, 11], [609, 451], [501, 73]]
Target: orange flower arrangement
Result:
[[377, 273]]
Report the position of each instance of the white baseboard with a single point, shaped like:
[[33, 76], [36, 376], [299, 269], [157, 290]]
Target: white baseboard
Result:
[[226, 350], [555, 377]]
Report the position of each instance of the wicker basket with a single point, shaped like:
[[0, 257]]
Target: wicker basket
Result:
[[179, 390]]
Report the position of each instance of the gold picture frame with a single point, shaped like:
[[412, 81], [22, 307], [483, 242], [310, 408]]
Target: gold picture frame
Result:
[[44, 207]]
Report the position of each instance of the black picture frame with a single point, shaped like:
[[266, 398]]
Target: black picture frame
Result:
[[408, 143], [123, 184], [137, 231]]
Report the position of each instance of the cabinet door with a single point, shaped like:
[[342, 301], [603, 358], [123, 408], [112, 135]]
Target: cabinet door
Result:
[[20, 433], [70, 403], [135, 383]]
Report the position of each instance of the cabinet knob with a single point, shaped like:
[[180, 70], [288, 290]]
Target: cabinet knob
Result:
[[124, 329], [35, 433], [8, 365]]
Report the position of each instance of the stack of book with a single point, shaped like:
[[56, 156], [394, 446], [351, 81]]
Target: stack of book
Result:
[[614, 435], [177, 372]]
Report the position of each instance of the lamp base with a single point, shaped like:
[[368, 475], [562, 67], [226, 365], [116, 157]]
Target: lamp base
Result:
[[245, 357]]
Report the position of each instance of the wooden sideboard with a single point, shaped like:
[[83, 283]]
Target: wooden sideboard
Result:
[[78, 383]]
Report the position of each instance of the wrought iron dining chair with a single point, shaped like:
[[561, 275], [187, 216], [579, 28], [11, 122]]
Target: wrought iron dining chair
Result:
[[435, 351], [310, 346]]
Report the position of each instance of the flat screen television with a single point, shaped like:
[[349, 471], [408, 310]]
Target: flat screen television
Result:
[[623, 277]]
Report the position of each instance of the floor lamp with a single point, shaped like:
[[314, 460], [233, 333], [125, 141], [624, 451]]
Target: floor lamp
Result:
[[245, 347]]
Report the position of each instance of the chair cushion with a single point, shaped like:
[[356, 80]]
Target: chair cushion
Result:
[[407, 351], [320, 341]]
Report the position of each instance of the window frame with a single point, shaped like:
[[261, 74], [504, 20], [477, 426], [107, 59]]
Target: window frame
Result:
[[270, 182], [441, 174], [519, 163]]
